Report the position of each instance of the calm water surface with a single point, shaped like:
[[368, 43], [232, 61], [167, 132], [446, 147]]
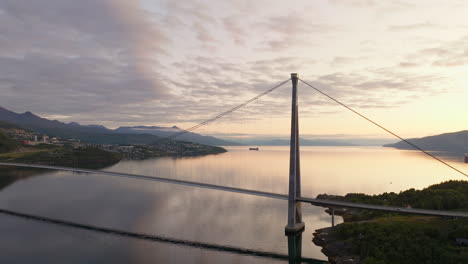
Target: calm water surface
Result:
[[196, 214]]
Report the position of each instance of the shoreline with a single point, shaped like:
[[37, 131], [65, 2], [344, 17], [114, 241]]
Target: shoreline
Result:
[[337, 251], [382, 237], [92, 157]]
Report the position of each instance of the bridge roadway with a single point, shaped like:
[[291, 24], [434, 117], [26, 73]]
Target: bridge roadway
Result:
[[313, 201]]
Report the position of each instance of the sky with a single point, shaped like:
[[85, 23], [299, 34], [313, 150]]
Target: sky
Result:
[[118, 63]]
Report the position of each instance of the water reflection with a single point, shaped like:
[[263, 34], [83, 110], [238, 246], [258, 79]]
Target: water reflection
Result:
[[193, 214], [9, 175], [295, 248], [294, 241]]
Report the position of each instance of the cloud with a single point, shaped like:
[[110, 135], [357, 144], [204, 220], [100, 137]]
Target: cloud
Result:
[[112, 62], [381, 7], [235, 29], [408, 64], [445, 54], [409, 27], [77, 57], [452, 54], [287, 31], [375, 88], [355, 3], [193, 15]]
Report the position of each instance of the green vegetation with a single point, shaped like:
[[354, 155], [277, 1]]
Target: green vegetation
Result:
[[86, 157], [385, 238], [7, 144], [407, 240], [450, 195], [444, 196], [194, 149]]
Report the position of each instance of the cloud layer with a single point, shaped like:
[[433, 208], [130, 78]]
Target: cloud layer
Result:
[[120, 62], [77, 57]]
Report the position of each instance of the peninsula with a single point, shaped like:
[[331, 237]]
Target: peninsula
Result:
[[455, 142], [376, 237], [25, 146]]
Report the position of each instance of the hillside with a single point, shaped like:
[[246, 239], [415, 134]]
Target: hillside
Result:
[[33, 122], [7, 144], [456, 142], [167, 131], [449, 195], [378, 237], [88, 157], [96, 134]]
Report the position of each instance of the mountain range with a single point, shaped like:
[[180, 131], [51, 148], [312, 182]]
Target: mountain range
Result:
[[286, 142], [97, 134], [167, 131], [455, 142]]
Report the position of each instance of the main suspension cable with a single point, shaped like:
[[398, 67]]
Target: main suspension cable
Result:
[[387, 130], [208, 121]]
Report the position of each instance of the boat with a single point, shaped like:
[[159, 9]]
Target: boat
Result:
[[253, 148]]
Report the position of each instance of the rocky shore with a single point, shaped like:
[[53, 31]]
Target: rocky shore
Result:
[[337, 251]]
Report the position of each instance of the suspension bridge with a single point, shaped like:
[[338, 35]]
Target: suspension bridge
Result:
[[294, 225]]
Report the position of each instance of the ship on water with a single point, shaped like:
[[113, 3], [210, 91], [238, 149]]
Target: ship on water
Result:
[[253, 148]]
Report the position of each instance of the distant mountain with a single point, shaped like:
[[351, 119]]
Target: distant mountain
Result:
[[167, 131], [303, 142], [456, 142], [97, 134], [38, 124]]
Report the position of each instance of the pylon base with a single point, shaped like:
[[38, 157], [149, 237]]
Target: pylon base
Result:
[[296, 229]]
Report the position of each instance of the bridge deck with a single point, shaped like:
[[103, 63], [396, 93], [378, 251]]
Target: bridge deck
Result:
[[313, 201], [402, 210]]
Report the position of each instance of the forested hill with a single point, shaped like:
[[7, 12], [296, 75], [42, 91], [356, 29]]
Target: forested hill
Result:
[[456, 142]]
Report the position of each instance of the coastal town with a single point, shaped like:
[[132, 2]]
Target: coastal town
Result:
[[28, 139]]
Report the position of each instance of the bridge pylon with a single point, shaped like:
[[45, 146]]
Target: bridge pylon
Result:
[[295, 225]]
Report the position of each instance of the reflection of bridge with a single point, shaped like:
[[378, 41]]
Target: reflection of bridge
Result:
[[313, 201], [294, 227], [160, 239]]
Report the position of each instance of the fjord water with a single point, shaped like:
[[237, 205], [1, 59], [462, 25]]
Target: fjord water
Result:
[[195, 214]]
